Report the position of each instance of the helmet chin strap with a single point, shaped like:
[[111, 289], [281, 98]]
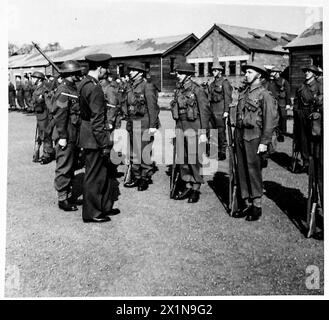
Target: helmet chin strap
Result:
[[135, 76]]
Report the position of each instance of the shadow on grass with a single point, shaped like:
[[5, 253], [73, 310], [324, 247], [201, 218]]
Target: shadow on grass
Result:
[[291, 201], [220, 185]]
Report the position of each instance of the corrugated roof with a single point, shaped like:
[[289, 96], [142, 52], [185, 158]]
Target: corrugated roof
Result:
[[258, 39], [138, 47], [310, 37]]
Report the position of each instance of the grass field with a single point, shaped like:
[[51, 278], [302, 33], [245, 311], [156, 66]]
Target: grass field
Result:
[[155, 246]]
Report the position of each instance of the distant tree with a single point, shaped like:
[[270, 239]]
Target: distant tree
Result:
[[12, 49], [53, 46], [25, 48]]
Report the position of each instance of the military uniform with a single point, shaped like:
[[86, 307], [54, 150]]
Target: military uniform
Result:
[[100, 189], [256, 119], [41, 111], [191, 111], [280, 89], [142, 114], [28, 91], [110, 90], [20, 95], [306, 97], [220, 100], [11, 95], [66, 117]]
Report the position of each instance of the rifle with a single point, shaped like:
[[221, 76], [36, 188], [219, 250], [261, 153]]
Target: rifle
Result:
[[46, 57], [234, 190], [128, 174], [36, 150], [76, 97], [175, 174], [313, 196]]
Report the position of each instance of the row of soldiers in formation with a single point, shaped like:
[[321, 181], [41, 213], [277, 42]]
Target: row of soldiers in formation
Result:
[[85, 107]]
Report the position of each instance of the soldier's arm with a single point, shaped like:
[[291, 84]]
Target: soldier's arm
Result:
[[227, 88], [204, 108], [61, 114], [270, 117], [288, 92], [152, 103], [97, 119]]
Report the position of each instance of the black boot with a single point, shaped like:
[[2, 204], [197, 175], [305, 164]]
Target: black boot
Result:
[[183, 194], [254, 214], [67, 206], [242, 213], [194, 196], [131, 184], [221, 156], [143, 185]]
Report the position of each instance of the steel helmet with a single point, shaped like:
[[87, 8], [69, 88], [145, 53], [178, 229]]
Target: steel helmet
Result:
[[70, 66], [38, 74]]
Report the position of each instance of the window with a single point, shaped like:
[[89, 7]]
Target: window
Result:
[[243, 62], [121, 69], [147, 66], [201, 69], [172, 64], [317, 60], [210, 64], [232, 68], [224, 67]]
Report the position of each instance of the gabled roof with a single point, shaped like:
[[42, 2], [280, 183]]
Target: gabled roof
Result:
[[312, 36], [151, 46], [250, 39]]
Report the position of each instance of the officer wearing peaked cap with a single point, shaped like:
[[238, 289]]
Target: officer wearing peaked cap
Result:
[[100, 188], [256, 119], [65, 112], [220, 99], [191, 111], [142, 123]]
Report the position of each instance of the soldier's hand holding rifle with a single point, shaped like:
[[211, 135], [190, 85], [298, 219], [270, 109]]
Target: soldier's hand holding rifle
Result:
[[262, 148], [152, 130], [225, 115], [203, 138], [62, 143]]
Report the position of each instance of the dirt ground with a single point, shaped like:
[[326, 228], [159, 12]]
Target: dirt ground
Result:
[[155, 246]]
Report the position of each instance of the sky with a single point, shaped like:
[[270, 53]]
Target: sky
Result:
[[83, 22]]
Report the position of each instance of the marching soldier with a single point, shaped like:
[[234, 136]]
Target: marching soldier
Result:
[[191, 111], [20, 93], [256, 119], [100, 188], [220, 100], [39, 104], [66, 117], [143, 111], [11, 95], [280, 89], [307, 96]]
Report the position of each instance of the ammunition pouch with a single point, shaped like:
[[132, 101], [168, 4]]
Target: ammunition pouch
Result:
[[217, 94], [316, 118], [39, 107], [191, 109], [138, 107], [252, 118]]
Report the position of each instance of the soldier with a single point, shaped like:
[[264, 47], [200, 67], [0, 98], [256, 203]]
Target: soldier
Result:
[[41, 110], [307, 97], [191, 110], [11, 95], [100, 189], [280, 89], [65, 113], [143, 111], [110, 89], [28, 91], [256, 119], [220, 99], [20, 93]]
